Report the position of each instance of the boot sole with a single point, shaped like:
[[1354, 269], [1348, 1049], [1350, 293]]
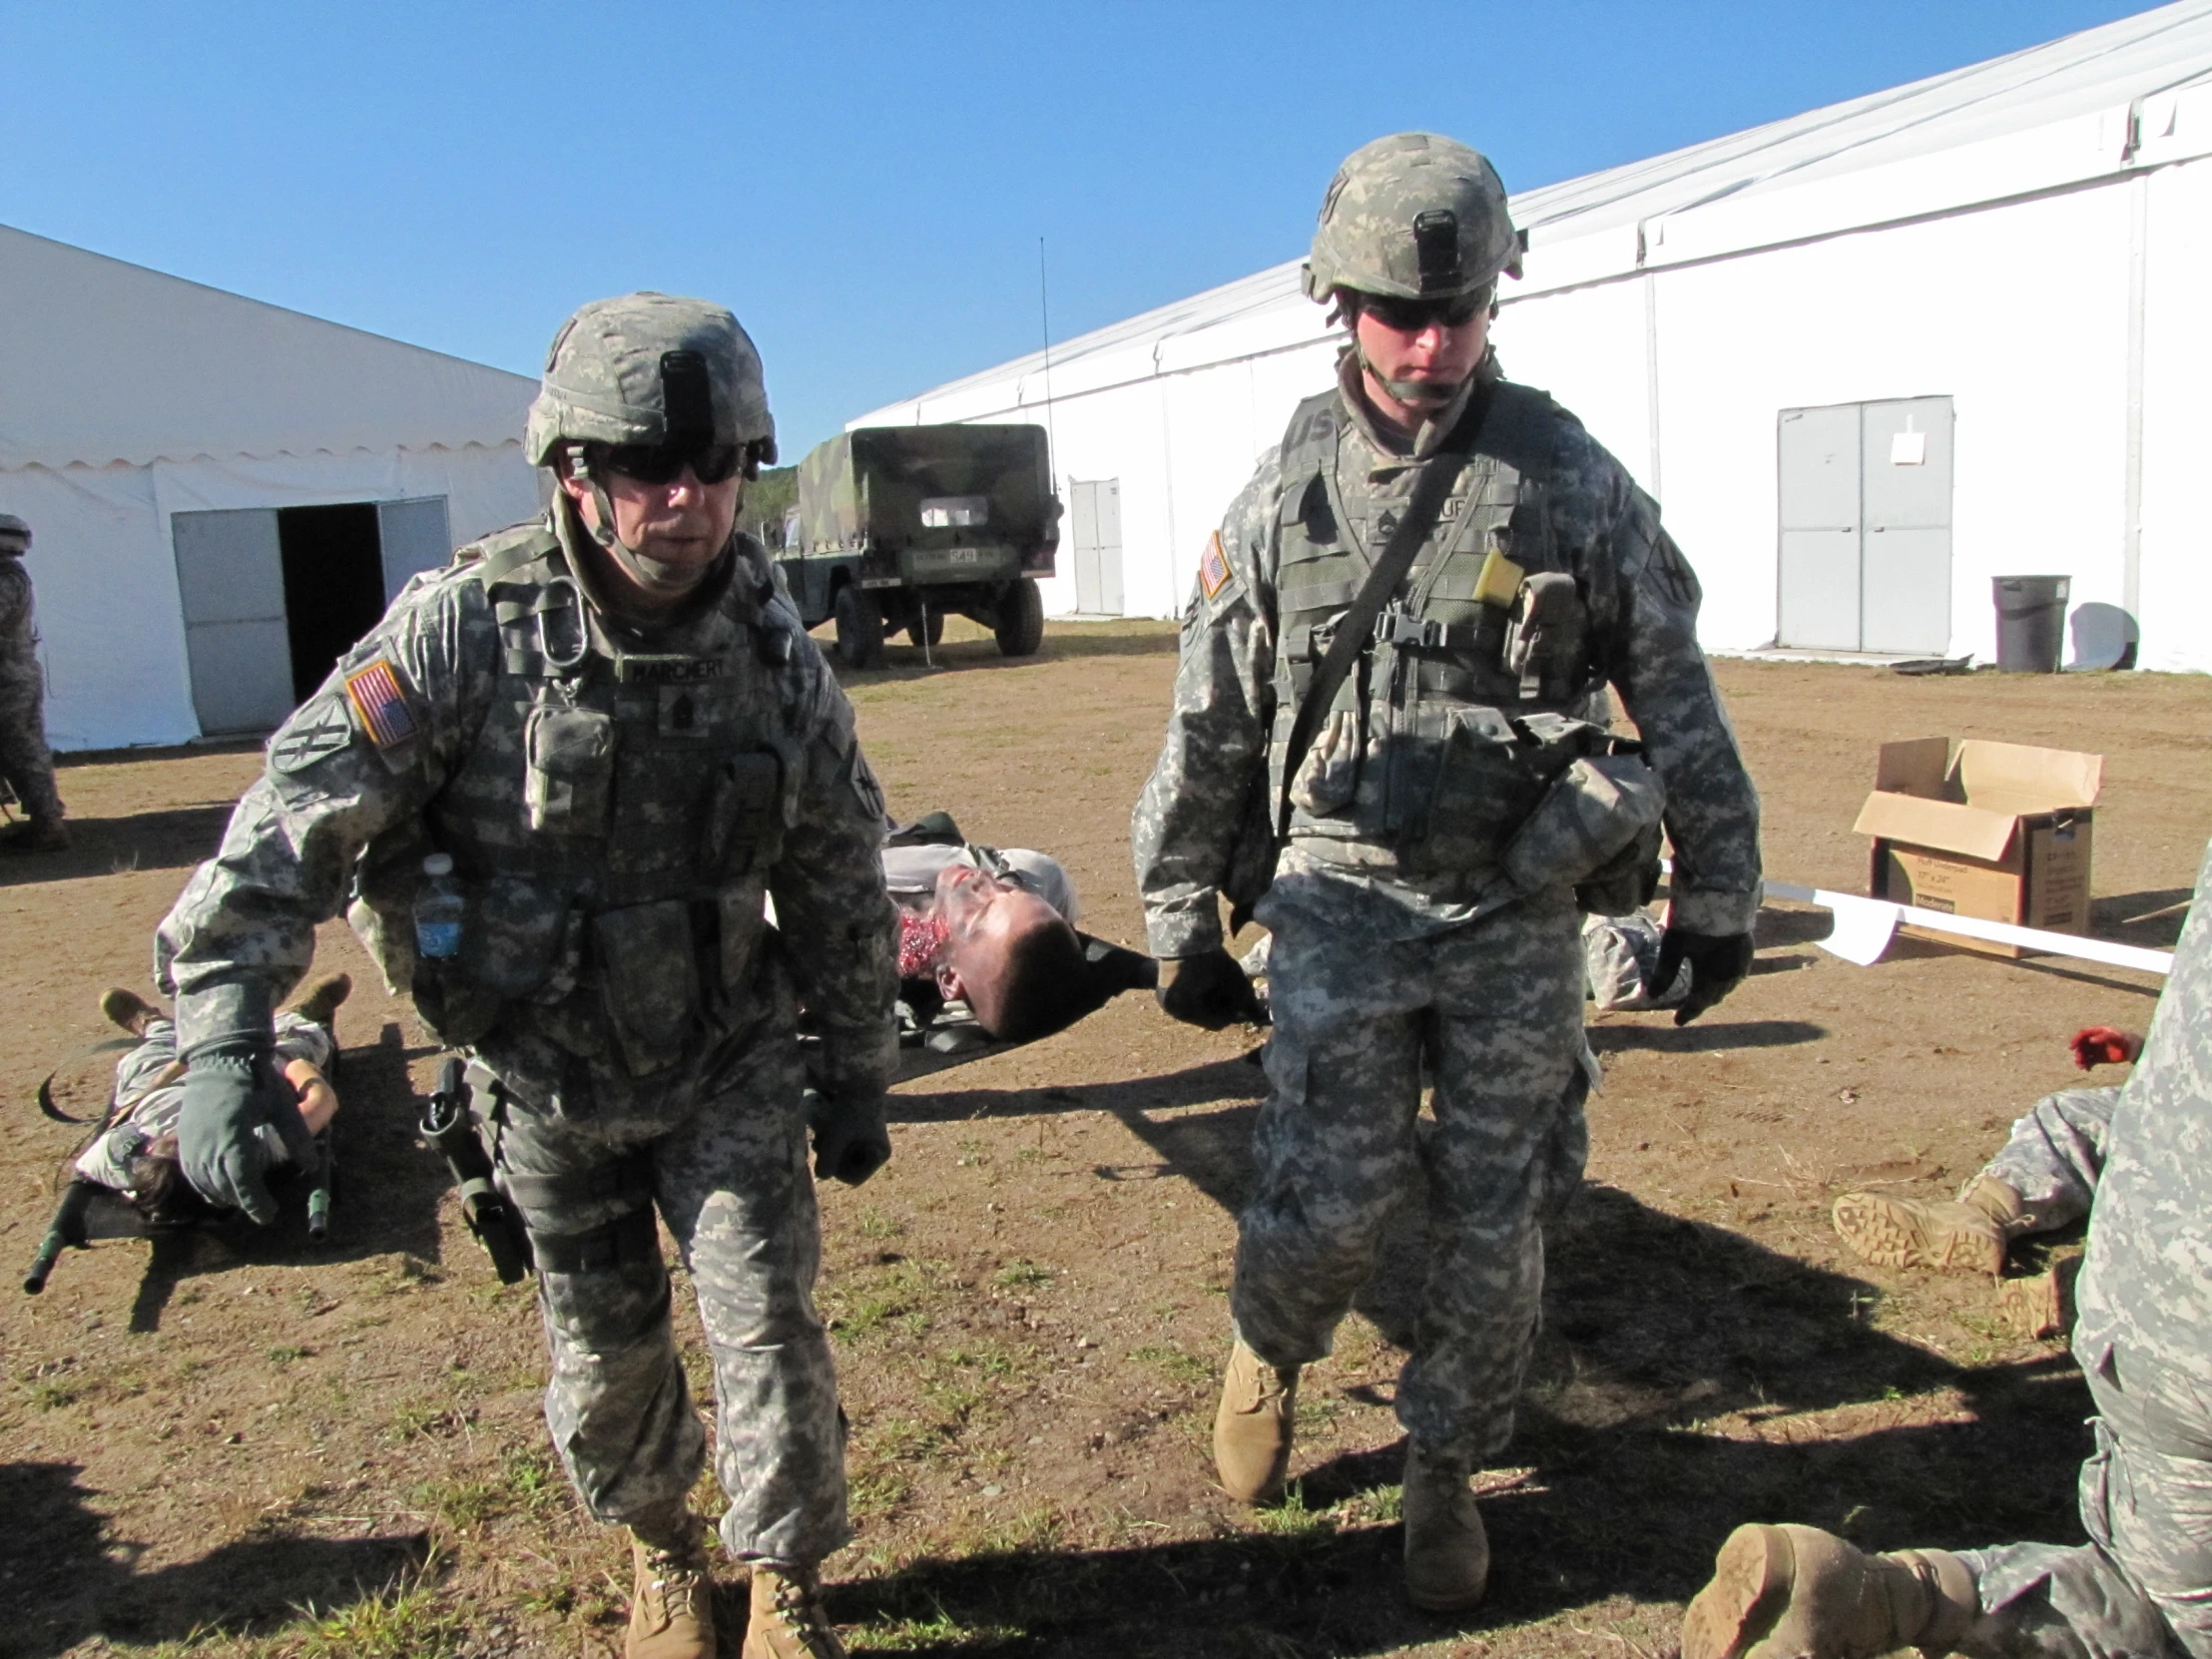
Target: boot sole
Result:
[[1460, 1603], [1887, 1234], [1746, 1595]]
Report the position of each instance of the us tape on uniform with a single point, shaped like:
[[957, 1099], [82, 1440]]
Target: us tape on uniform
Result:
[[1864, 927]]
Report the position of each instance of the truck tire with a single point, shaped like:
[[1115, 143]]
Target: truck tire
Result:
[[936, 628], [860, 628], [1020, 625]]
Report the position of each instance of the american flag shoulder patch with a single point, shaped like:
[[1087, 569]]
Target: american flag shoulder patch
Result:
[[1213, 569], [379, 704]]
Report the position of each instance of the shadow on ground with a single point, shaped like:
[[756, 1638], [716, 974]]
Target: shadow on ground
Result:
[[172, 839], [1672, 1397], [64, 1578]]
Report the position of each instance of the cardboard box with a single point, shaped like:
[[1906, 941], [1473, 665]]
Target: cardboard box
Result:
[[1996, 830]]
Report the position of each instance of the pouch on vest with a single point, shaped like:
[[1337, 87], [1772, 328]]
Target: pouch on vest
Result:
[[571, 762], [1491, 777], [648, 980], [514, 937], [743, 917], [743, 813], [1593, 810], [1329, 776], [458, 1011]]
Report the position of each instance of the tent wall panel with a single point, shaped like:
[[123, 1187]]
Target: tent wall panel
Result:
[[2176, 549]]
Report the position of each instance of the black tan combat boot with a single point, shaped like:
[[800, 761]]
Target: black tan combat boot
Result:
[[324, 997], [1795, 1592], [1447, 1554], [1968, 1236], [672, 1602], [787, 1621], [1253, 1428], [128, 1010]]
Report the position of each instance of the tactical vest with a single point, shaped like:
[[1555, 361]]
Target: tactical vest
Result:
[[1444, 744], [613, 824]]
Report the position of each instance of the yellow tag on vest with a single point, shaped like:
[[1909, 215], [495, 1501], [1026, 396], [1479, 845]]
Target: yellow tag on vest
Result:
[[1500, 581]]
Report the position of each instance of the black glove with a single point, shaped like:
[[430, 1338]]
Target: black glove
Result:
[[1717, 962], [851, 1140], [229, 1091], [1208, 991]]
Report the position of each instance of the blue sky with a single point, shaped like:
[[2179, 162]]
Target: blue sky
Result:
[[864, 184]]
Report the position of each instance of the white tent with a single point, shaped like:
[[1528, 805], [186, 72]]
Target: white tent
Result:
[[1869, 358], [180, 451]]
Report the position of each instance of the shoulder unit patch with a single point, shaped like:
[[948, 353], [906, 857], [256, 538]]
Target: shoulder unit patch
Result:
[[1214, 570], [381, 705]]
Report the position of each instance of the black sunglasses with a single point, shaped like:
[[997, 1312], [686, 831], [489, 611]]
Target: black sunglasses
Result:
[[659, 463], [1410, 317]]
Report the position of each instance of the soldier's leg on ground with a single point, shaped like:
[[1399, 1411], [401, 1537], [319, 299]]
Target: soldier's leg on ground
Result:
[[1508, 1062], [616, 1403], [2054, 1157], [25, 760], [1333, 1148], [735, 1187]]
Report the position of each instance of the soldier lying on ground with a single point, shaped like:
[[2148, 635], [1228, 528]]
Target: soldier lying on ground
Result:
[[2045, 1178], [2142, 1585], [135, 1152], [995, 930]]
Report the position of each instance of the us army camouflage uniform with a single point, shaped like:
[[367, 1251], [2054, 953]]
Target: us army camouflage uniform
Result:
[[1398, 938], [617, 805], [2142, 1585], [2055, 1155], [25, 761]]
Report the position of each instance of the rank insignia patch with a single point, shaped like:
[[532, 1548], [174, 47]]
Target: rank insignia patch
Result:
[[1213, 569], [379, 704]]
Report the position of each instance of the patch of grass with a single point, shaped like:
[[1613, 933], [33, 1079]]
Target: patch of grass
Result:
[[1378, 1507], [423, 1417], [1021, 1274], [286, 1353], [876, 1493], [941, 1633], [1293, 1520], [398, 1624], [873, 1224], [1175, 1364], [1034, 1532], [461, 1504], [52, 1397], [901, 1438], [535, 1483]]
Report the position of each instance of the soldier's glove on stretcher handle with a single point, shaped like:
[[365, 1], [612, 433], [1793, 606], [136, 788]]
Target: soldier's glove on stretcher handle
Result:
[[1208, 991], [232, 1089], [1718, 963], [851, 1140]]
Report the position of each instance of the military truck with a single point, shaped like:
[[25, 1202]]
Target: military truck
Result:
[[899, 527]]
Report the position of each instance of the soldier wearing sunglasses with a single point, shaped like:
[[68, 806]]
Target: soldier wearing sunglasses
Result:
[[609, 729], [1386, 744]]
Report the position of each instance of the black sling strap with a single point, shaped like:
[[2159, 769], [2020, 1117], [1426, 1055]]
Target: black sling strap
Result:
[[1438, 473]]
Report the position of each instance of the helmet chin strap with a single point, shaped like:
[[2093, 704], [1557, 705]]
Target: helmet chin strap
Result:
[[656, 576], [1417, 395]]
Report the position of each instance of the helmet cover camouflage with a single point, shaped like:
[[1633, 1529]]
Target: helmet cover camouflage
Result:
[[651, 368], [15, 535], [1414, 216]]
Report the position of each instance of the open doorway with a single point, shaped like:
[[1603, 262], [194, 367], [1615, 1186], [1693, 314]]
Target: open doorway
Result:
[[333, 585]]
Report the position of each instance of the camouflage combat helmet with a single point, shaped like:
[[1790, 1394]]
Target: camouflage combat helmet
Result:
[[1413, 216], [651, 368], [15, 536]]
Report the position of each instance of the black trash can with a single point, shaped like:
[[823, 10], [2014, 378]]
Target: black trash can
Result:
[[2032, 622]]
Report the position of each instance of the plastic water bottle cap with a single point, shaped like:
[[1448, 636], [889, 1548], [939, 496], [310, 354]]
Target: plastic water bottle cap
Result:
[[438, 863]]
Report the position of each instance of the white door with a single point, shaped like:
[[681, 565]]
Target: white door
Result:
[[1095, 515], [414, 537], [230, 578], [1864, 532]]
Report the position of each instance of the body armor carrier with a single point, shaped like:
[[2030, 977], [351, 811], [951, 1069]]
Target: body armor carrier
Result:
[[613, 824], [1471, 699]]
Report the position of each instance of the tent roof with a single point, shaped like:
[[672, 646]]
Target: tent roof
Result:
[[105, 361], [2128, 94]]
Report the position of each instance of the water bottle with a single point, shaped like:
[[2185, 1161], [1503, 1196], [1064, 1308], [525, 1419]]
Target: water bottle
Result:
[[438, 909]]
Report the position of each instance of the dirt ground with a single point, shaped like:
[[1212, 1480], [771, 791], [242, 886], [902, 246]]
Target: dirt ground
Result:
[[250, 1444]]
